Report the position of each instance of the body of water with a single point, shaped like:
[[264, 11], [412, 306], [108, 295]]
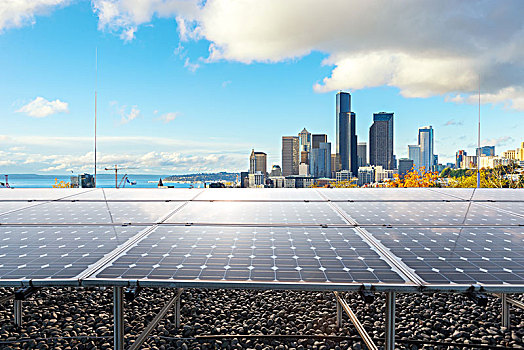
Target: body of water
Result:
[[102, 180]]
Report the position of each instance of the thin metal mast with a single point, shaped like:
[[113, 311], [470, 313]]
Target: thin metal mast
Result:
[[478, 145], [96, 83]]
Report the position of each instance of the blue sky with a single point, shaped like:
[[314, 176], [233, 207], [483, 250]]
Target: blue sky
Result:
[[188, 86]]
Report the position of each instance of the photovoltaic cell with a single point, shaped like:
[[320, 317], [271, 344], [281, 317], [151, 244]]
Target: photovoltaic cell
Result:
[[6, 207], [386, 194], [254, 194], [31, 194], [60, 213], [148, 194], [257, 213], [499, 194], [141, 212], [287, 254], [513, 207], [56, 252], [484, 255], [426, 213]]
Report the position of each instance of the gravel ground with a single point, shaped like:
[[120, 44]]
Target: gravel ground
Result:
[[81, 312]]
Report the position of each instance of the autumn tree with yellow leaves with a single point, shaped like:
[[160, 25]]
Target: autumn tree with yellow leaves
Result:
[[414, 178], [61, 184]]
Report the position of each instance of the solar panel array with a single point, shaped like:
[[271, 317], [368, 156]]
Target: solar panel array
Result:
[[326, 239]]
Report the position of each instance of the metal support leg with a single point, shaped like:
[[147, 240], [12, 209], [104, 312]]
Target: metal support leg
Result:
[[339, 314], [17, 306], [390, 321], [118, 318], [177, 309], [505, 311]]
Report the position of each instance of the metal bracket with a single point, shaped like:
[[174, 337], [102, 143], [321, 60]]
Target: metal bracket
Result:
[[366, 292], [475, 294], [24, 292], [132, 293]]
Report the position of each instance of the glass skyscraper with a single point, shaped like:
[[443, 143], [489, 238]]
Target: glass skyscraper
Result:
[[346, 147], [381, 141], [425, 141]]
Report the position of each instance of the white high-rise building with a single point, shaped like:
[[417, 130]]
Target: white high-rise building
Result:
[[414, 155], [425, 141]]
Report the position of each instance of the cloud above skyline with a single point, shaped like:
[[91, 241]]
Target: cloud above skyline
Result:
[[16, 13], [422, 47], [40, 108]]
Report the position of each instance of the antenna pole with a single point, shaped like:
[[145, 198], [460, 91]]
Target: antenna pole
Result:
[[478, 145], [96, 83]]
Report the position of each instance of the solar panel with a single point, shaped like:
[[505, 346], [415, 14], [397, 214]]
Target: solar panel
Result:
[[56, 252], [29, 194], [151, 194], [470, 255], [246, 254], [257, 213], [6, 207], [512, 207], [499, 194], [385, 194], [426, 213], [255, 194], [60, 213], [141, 212]]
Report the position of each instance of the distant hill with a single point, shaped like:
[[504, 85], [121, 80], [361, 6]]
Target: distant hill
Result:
[[224, 176]]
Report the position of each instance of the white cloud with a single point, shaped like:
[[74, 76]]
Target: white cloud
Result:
[[172, 162], [126, 113], [132, 114], [169, 117], [16, 13], [422, 47], [40, 107], [453, 122], [499, 141], [192, 67]]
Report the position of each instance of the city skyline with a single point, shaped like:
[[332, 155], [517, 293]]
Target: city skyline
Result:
[[173, 96]]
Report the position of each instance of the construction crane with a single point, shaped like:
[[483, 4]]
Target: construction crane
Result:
[[115, 169]]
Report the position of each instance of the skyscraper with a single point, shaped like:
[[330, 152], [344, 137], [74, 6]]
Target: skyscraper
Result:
[[381, 140], [257, 162], [305, 140], [320, 165], [290, 155], [414, 155], [362, 154], [346, 147], [425, 141]]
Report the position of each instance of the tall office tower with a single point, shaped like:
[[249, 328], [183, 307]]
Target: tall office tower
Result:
[[346, 147], [362, 154], [425, 141], [257, 162], [305, 140], [290, 155], [381, 140], [316, 139], [459, 157], [414, 155], [486, 151], [320, 162]]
